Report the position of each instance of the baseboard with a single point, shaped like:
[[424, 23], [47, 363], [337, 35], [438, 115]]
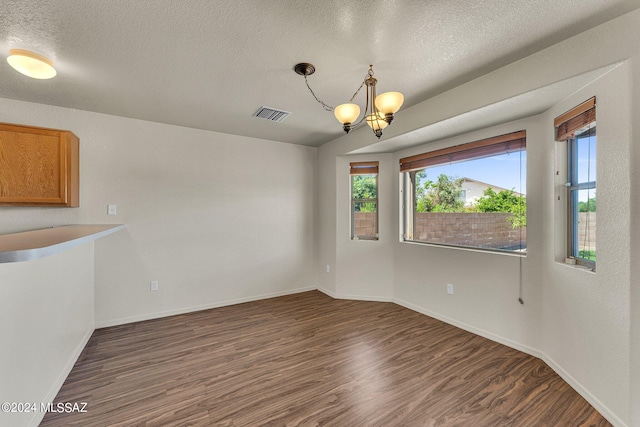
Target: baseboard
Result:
[[488, 335], [64, 373], [582, 391], [363, 298], [328, 292], [183, 310], [579, 388], [355, 297]]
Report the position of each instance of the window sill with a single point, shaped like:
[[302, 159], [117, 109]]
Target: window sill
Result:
[[577, 267], [468, 249]]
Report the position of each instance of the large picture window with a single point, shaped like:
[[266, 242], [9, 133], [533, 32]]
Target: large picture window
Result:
[[364, 200], [578, 128], [471, 195]]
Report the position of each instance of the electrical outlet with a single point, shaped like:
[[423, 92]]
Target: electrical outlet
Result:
[[112, 209], [328, 269], [154, 285], [450, 288]]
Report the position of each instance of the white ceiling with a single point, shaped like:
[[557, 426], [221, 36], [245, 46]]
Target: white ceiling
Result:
[[211, 64], [514, 108]]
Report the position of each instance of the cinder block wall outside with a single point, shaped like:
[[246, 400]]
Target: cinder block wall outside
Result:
[[587, 230], [482, 229], [487, 229], [365, 224]]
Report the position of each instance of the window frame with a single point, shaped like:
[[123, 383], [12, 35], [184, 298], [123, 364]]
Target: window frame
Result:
[[578, 120], [409, 166], [573, 188], [364, 169]]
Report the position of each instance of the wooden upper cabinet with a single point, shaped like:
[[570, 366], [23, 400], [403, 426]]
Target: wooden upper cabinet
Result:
[[38, 166]]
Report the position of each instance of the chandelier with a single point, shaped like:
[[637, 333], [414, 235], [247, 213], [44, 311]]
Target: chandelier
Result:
[[378, 110]]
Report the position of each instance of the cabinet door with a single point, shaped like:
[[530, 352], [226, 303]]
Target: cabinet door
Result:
[[38, 167]]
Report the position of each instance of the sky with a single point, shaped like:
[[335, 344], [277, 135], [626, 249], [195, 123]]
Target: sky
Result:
[[503, 171], [510, 170], [586, 166], [587, 159]]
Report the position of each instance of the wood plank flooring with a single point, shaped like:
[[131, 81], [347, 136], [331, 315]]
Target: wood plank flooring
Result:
[[310, 360]]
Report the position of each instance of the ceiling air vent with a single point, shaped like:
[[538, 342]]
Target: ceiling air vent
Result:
[[271, 114]]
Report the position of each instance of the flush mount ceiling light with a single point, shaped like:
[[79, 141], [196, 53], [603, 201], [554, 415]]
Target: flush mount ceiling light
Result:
[[31, 64], [378, 110]]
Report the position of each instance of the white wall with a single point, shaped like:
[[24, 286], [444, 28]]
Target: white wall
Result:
[[585, 325], [46, 313], [577, 321], [215, 218], [486, 285], [586, 315], [634, 237], [366, 266], [327, 222]]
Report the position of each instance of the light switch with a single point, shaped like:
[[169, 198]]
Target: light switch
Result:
[[111, 209]]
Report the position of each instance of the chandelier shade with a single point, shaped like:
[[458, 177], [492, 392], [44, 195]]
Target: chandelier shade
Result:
[[347, 113], [389, 102], [378, 110], [377, 123]]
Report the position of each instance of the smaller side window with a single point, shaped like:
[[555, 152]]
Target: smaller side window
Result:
[[578, 128], [582, 196], [364, 200]]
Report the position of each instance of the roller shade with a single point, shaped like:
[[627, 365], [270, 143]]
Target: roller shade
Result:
[[503, 144], [568, 123], [364, 168]]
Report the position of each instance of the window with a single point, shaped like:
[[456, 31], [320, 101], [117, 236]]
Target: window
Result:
[[578, 128], [364, 201], [470, 195]]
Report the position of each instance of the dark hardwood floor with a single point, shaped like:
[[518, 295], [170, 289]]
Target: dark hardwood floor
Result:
[[310, 360]]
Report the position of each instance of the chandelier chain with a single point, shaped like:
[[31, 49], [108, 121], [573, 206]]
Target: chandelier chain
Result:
[[356, 93], [329, 107], [325, 106]]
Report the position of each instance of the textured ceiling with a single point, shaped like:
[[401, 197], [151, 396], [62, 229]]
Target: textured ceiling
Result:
[[211, 64]]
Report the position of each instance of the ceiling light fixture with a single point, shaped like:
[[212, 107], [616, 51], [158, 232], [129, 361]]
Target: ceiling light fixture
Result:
[[378, 110], [31, 64]]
